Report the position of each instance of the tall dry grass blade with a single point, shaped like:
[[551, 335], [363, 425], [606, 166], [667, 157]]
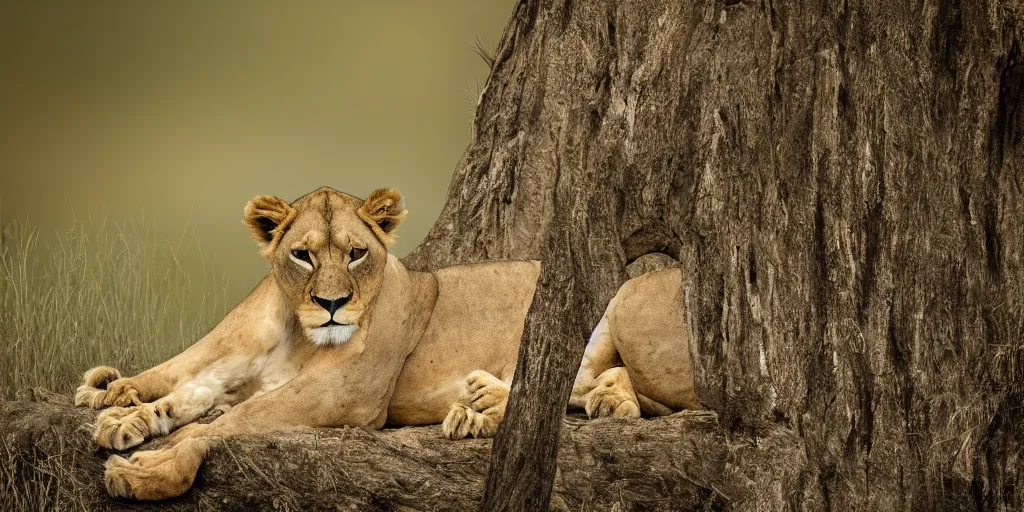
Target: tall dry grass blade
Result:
[[98, 293]]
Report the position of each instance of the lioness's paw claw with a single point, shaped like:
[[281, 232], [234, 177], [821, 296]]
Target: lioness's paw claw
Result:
[[118, 477], [608, 401], [154, 474], [121, 393], [462, 422], [480, 410], [457, 423], [120, 428], [93, 391], [613, 396]]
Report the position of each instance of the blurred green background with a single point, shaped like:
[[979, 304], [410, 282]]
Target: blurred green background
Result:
[[173, 114]]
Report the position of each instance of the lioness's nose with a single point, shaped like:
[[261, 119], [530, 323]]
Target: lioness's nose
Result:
[[332, 305]]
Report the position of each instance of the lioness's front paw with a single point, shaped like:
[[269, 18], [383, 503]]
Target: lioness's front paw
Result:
[[462, 422], [121, 393], [94, 386], [155, 474], [120, 428]]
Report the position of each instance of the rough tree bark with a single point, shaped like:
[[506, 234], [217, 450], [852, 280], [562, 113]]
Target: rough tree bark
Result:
[[841, 181]]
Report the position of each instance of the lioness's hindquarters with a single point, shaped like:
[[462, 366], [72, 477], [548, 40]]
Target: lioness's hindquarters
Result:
[[638, 357], [480, 411]]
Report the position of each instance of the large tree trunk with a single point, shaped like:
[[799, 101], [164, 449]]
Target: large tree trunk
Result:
[[841, 181]]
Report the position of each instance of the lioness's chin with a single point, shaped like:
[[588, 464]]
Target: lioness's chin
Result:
[[333, 335]]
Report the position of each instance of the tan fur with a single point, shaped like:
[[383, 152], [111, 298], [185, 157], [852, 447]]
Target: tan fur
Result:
[[411, 347], [638, 357]]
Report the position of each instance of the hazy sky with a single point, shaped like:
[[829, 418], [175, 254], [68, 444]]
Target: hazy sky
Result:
[[186, 109]]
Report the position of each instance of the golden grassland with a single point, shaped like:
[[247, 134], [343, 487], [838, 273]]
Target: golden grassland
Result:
[[98, 293]]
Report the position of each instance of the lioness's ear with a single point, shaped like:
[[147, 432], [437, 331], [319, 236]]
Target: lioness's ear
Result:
[[268, 217], [383, 211]]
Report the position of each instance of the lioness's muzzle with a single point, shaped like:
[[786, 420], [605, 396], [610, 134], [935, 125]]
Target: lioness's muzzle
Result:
[[332, 305]]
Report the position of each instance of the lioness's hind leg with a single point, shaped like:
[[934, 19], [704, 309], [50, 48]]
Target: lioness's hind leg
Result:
[[599, 356], [121, 428], [480, 412], [613, 396]]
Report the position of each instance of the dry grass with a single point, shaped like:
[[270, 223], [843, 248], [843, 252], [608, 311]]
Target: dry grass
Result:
[[99, 293]]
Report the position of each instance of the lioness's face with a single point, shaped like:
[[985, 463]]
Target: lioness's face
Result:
[[328, 253]]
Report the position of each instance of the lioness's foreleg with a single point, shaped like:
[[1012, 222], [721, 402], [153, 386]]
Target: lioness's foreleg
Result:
[[222, 383], [104, 386], [302, 402], [480, 411]]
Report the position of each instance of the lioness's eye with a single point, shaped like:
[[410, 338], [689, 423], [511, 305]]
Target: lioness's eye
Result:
[[357, 253], [302, 255]]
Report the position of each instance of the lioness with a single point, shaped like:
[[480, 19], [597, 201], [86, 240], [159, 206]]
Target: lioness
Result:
[[341, 333]]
